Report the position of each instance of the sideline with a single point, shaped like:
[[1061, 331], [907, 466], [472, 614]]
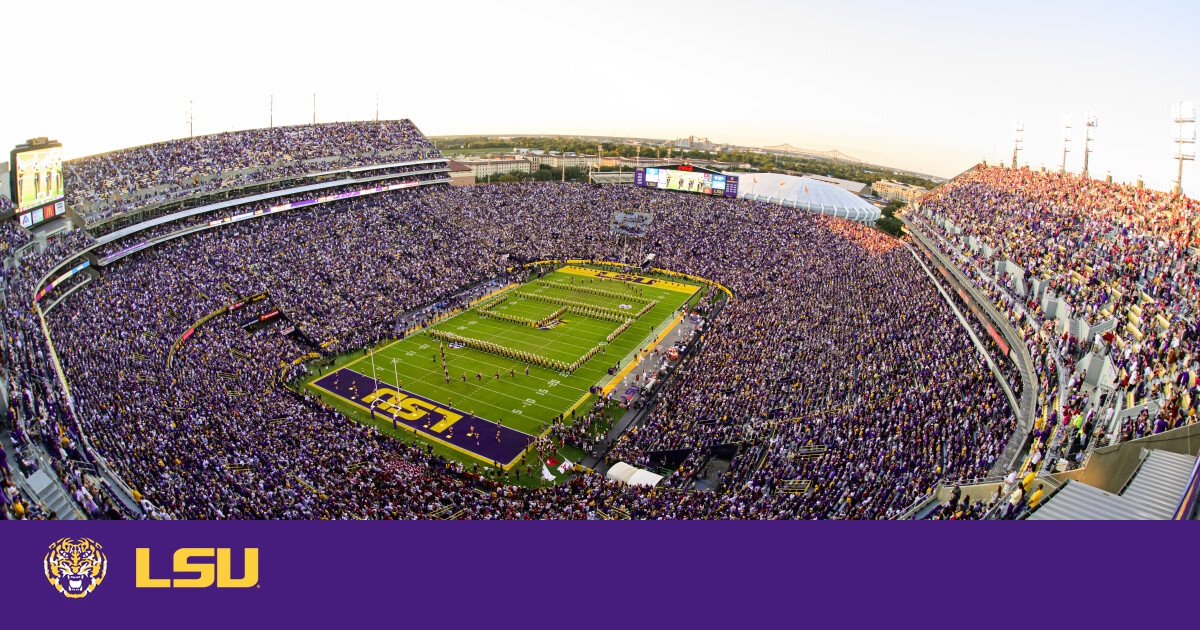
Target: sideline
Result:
[[639, 353]]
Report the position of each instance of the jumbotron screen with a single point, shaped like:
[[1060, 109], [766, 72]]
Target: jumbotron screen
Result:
[[37, 177], [686, 179]]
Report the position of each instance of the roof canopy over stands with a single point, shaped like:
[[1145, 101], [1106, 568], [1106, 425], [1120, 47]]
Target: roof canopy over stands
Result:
[[806, 193]]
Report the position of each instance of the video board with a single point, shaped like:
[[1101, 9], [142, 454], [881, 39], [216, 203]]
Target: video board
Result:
[[37, 186], [687, 178]]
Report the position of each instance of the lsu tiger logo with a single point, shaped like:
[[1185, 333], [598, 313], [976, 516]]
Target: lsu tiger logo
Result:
[[75, 566]]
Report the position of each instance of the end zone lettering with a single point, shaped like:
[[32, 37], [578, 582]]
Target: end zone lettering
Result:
[[407, 407], [624, 277], [422, 415], [207, 572]]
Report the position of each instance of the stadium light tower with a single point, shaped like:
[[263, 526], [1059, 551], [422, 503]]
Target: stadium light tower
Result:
[[1089, 123], [1018, 140], [1066, 140], [1183, 114], [272, 111], [191, 119]]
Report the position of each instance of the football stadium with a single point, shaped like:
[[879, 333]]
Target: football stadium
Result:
[[317, 316], [315, 325]]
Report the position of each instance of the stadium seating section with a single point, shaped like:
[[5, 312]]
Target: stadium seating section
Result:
[[837, 373]]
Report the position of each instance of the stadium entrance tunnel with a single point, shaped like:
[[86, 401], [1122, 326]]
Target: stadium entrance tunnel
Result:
[[668, 459], [712, 470]]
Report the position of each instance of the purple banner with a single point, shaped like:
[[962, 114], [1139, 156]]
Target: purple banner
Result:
[[311, 574]]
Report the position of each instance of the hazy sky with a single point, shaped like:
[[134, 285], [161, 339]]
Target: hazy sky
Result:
[[929, 86]]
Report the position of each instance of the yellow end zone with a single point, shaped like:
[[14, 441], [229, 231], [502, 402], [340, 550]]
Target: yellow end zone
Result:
[[628, 277]]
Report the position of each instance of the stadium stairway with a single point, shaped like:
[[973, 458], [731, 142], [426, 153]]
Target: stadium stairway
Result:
[[1152, 494], [53, 496], [42, 485]]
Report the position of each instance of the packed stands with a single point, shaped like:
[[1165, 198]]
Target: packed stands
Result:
[[838, 380], [103, 185], [936, 414], [1101, 279]]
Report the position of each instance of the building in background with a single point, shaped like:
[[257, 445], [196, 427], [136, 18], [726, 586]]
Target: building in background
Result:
[[482, 169], [568, 160], [635, 162], [4, 183], [896, 191], [460, 174], [692, 143]]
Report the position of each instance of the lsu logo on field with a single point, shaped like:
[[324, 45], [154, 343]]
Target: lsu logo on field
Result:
[[404, 406], [554, 323], [75, 566], [207, 572]]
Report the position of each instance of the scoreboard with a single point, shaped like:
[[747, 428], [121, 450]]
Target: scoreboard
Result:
[[687, 178], [36, 181]]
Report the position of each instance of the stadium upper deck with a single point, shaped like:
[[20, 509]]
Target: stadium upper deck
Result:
[[120, 181]]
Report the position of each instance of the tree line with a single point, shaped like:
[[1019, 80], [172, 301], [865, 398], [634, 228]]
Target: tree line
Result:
[[863, 173]]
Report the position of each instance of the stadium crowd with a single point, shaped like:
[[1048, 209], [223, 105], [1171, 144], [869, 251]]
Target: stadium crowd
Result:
[[844, 345], [1109, 252], [838, 376], [1116, 258], [188, 220], [119, 181]]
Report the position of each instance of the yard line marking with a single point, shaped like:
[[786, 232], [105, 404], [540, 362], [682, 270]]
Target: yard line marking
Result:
[[444, 318], [440, 374], [451, 391], [454, 393]]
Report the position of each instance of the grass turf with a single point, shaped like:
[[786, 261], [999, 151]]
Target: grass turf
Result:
[[525, 403]]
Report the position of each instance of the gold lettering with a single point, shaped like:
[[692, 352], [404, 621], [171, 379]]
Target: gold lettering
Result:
[[250, 578], [411, 411], [448, 419], [387, 398], [142, 568], [205, 571]]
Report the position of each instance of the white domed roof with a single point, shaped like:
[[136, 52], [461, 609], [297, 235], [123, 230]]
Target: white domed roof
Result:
[[806, 193]]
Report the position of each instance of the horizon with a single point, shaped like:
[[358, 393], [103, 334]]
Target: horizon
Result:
[[934, 88]]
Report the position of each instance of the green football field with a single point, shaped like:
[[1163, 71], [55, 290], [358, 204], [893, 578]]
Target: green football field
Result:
[[496, 387]]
